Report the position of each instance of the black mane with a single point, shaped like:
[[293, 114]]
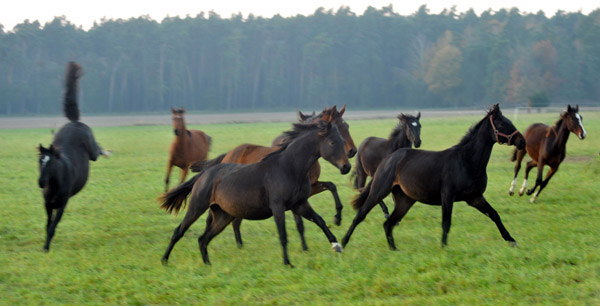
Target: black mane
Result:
[[298, 130], [471, 132]]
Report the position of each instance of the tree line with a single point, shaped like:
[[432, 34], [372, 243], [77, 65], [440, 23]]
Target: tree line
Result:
[[379, 59]]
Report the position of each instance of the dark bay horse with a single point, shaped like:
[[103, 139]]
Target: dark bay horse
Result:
[[374, 149], [187, 147], [250, 153], [439, 178], [64, 166], [279, 182], [547, 145]]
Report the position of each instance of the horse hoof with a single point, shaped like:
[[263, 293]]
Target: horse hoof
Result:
[[336, 247], [513, 244], [165, 262], [337, 220], [532, 200], [511, 193]]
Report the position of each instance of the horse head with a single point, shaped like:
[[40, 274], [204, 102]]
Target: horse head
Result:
[[332, 146], [334, 116], [574, 121], [503, 130], [178, 123], [412, 128], [48, 158]]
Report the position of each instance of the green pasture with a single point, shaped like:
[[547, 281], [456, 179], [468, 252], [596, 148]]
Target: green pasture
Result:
[[108, 245]]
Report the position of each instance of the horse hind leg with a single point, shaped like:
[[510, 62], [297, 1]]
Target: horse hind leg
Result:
[[169, 169], [402, 205], [195, 210], [219, 220], [236, 224], [300, 228], [530, 165], [184, 172], [538, 180], [519, 157]]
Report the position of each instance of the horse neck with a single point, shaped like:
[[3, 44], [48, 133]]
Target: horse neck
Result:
[[562, 135], [179, 126], [301, 154], [398, 140], [478, 148]]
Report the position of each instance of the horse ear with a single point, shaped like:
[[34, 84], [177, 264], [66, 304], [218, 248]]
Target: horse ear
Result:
[[301, 116], [419, 116], [334, 109], [577, 107], [402, 117], [342, 110], [42, 149], [172, 110]]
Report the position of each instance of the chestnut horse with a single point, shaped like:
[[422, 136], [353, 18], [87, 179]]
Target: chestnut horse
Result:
[[546, 145], [279, 182], [374, 149], [439, 178], [65, 165], [187, 147], [249, 153]]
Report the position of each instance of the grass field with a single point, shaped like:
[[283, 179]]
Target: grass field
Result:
[[108, 245]]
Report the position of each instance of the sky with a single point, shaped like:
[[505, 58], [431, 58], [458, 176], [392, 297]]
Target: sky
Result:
[[83, 13]]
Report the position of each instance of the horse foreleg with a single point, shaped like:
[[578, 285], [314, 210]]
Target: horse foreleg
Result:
[[386, 212], [51, 228], [309, 213], [184, 172], [361, 214], [219, 220], [237, 222], [169, 168], [319, 187], [538, 180], [447, 205], [300, 228], [484, 207], [279, 216], [530, 164], [549, 175], [402, 205]]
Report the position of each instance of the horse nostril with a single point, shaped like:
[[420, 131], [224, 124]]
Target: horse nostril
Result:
[[417, 143], [352, 152], [346, 168]]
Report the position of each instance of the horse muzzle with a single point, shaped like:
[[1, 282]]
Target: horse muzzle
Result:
[[417, 143], [41, 183], [345, 168]]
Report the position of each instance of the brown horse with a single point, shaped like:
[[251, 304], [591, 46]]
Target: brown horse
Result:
[[279, 182], [374, 149], [250, 153], [547, 145], [187, 147]]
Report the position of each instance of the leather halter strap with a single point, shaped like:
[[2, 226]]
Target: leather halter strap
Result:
[[498, 133]]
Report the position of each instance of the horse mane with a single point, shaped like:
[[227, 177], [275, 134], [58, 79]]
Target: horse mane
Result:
[[70, 107], [555, 127], [297, 130], [471, 132], [393, 138]]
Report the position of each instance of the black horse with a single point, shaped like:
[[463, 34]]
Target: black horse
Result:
[[279, 182], [439, 178], [374, 149], [64, 166]]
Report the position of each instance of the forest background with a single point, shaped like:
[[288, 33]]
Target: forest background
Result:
[[379, 59]]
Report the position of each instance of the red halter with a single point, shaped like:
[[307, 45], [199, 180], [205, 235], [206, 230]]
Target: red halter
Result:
[[498, 133]]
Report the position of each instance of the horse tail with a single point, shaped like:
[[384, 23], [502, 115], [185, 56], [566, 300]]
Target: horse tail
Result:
[[200, 166], [381, 184], [70, 107], [514, 155], [176, 198]]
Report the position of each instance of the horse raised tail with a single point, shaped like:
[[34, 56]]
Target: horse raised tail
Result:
[[200, 166], [381, 184], [175, 199], [72, 75]]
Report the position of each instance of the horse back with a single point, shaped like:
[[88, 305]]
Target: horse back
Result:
[[247, 154]]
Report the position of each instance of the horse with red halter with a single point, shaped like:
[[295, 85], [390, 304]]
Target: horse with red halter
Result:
[[439, 178], [187, 147], [279, 182], [374, 149], [546, 145], [249, 154], [65, 165]]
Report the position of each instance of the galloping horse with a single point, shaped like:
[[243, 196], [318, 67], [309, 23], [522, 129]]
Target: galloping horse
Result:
[[64, 166], [277, 183], [187, 147], [249, 153], [439, 178], [546, 145], [374, 149]]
